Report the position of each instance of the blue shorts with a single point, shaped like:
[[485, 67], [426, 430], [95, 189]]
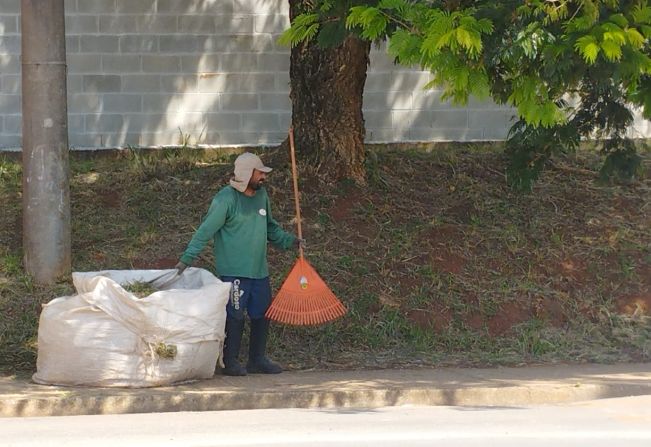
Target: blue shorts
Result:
[[252, 295]]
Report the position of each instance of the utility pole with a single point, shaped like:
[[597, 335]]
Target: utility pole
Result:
[[46, 185]]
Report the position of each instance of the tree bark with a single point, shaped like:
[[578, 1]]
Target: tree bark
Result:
[[46, 190], [327, 85]]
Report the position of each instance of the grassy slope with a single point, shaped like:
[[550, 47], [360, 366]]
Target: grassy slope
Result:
[[437, 260]]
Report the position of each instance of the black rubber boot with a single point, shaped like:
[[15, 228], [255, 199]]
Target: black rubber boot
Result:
[[258, 363], [234, 329]]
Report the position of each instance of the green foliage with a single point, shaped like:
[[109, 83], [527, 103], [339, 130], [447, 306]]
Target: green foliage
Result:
[[372, 20], [10, 172], [304, 27], [622, 161], [641, 96], [530, 55], [529, 148], [602, 111], [405, 47], [589, 48], [332, 34]]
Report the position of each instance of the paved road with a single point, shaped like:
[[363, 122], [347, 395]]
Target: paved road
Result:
[[618, 422]]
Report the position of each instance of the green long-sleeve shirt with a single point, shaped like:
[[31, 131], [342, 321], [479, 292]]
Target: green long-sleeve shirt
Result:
[[240, 227]]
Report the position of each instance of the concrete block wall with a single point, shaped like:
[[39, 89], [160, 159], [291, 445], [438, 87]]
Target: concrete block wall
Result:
[[154, 72]]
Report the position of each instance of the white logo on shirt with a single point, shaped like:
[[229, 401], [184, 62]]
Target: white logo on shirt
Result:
[[263, 212]]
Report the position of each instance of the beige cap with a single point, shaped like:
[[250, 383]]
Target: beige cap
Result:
[[244, 166]]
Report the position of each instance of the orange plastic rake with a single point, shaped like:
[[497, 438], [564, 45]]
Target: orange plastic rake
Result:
[[304, 298]]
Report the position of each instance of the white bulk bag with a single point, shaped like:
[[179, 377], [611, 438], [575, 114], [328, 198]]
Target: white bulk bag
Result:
[[106, 336]]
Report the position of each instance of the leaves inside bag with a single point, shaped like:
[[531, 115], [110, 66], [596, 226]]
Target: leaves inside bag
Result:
[[140, 289]]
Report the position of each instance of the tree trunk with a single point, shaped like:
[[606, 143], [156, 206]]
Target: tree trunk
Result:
[[46, 191], [327, 85]]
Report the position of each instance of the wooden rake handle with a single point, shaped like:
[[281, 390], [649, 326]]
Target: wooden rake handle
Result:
[[296, 199]]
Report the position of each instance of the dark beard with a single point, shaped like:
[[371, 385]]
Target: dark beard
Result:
[[255, 186]]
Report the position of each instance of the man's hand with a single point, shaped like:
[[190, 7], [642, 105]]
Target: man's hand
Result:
[[299, 243], [180, 267]]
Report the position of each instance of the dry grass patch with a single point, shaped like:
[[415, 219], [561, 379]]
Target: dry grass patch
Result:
[[438, 261]]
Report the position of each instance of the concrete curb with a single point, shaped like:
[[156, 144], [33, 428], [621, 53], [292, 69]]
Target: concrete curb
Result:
[[339, 389]]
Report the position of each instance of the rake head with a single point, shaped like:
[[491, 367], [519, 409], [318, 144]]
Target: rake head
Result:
[[304, 299]]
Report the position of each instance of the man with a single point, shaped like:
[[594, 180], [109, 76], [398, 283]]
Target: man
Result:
[[239, 222]]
